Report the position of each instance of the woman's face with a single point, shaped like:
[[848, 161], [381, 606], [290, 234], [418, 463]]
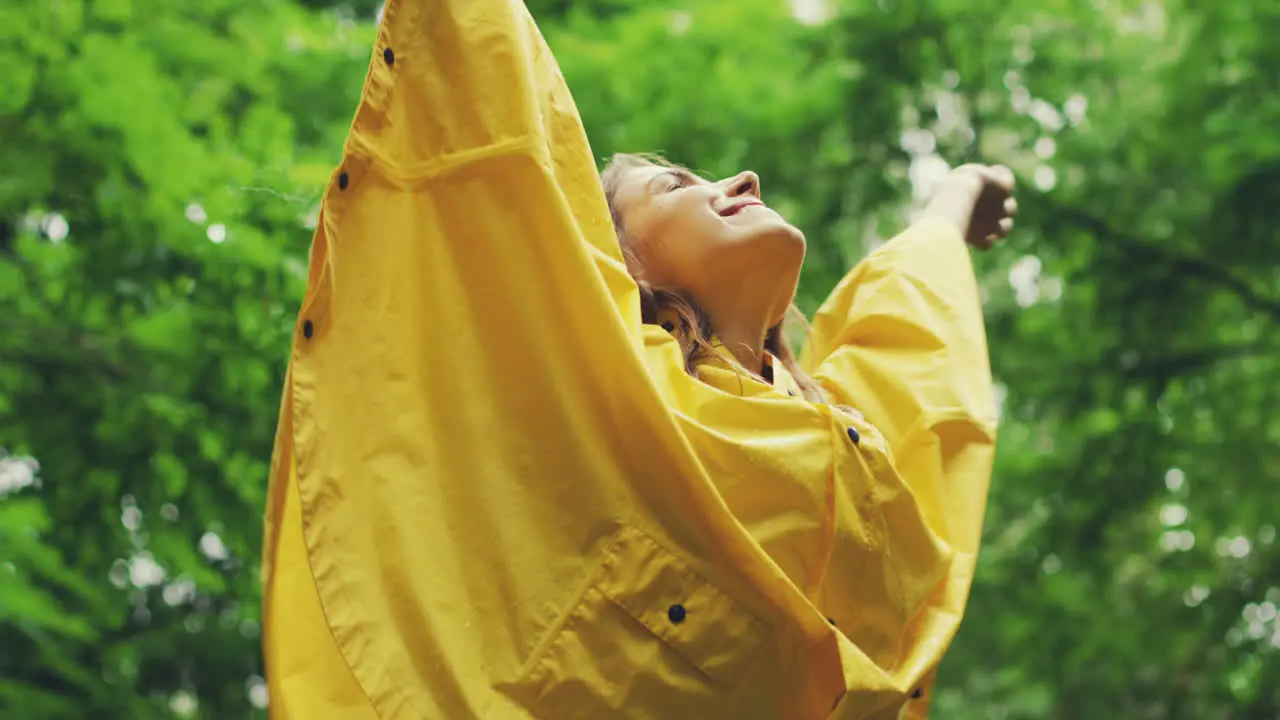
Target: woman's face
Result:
[[700, 236]]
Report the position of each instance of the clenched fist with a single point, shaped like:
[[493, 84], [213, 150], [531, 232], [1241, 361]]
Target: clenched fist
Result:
[[979, 200]]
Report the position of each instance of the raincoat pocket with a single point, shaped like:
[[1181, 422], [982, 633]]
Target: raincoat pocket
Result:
[[649, 638]]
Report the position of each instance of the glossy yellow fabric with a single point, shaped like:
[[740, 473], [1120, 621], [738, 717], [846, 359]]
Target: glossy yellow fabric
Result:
[[496, 494]]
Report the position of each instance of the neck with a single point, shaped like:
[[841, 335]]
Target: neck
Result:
[[743, 300], [741, 327]]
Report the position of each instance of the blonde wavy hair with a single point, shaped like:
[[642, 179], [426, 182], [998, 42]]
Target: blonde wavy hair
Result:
[[695, 330]]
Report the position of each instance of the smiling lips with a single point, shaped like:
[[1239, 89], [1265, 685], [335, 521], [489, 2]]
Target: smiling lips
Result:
[[735, 209]]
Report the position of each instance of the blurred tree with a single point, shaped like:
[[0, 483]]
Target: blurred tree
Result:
[[162, 168], [162, 164]]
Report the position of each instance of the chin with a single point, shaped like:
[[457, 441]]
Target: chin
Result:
[[787, 238], [795, 235], [774, 244]]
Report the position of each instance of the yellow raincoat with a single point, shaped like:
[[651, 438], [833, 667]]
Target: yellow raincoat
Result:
[[496, 494]]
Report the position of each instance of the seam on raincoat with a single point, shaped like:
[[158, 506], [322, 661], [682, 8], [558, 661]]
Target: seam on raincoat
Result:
[[376, 87], [732, 607], [379, 79], [274, 510], [417, 173], [350, 639], [320, 255], [603, 583], [352, 634], [925, 420], [614, 601], [544, 669], [527, 675], [564, 618], [532, 678], [306, 520]]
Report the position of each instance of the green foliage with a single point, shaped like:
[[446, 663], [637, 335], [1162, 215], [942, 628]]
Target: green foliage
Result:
[[162, 165]]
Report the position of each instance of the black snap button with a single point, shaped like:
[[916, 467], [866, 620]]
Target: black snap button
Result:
[[919, 693], [343, 180], [854, 436], [307, 329], [792, 393], [833, 622], [668, 326], [389, 56], [676, 613]]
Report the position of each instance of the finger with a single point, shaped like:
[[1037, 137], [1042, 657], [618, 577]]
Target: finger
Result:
[[1001, 176], [972, 172], [1006, 225], [1011, 207]]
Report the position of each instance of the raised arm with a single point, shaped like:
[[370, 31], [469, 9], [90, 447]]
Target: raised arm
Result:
[[481, 505], [901, 339], [467, 94]]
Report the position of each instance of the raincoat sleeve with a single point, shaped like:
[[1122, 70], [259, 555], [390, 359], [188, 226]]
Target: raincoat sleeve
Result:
[[901, 339], [481, 505]]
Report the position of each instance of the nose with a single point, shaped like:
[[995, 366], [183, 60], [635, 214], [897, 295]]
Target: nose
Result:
[[744, 183]]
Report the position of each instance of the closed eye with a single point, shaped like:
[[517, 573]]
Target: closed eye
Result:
[[677, 178], [673, 180]]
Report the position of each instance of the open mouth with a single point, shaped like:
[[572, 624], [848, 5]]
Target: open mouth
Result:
[[735, 209]]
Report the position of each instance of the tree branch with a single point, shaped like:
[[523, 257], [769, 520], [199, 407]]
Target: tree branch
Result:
[[1189, 265], [1173, 365], [1163, 367]]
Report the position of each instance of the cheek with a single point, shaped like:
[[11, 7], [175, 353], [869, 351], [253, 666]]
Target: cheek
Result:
[[694, 231], [674, 241], [690, 253]]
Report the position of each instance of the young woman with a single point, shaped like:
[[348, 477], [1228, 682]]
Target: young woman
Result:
[[544, 452]]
